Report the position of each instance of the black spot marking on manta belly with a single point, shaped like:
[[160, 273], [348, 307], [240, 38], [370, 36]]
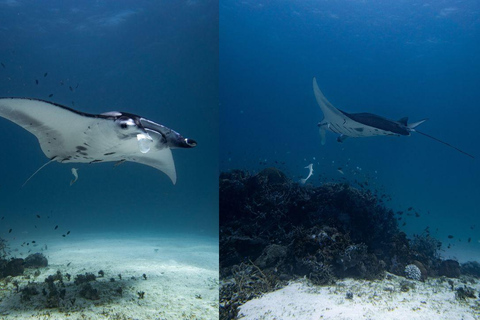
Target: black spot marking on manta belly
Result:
[[81, 148], [108, 153], [96, 161], [359, 129]]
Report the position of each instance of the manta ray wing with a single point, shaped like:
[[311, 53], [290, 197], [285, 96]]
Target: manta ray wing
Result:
[[352, 125], [67, 135]]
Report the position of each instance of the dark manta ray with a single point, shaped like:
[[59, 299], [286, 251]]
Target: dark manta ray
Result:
[[67, 135], [358, 125]]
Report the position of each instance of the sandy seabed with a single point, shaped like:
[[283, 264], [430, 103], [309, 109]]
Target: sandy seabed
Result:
[[181, 278], [373, 300]]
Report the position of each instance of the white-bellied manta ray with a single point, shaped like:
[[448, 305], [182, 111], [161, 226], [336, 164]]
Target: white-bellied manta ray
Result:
[[67, 135], [358, 125]]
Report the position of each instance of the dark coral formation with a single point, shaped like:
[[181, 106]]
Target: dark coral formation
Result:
[[273, 230], [11, 267], [301, 230], [471, 268], [88, 292], [56, 291], [462, 293], [450, 269], [36, 260], [84, 278]]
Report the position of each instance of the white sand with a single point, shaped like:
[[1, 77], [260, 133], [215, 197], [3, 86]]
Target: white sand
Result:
[[373, 300], [182, 278]]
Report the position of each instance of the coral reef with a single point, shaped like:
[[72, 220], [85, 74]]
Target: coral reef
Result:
[[273, 230], [471, 268], [12, 267], [36, 260], [88, 292], [450, 269], [84, 278]]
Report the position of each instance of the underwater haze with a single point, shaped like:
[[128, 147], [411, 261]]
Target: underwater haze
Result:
[[392, 58], [150, 58]]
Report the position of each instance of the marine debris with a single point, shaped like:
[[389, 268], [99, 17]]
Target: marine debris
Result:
[[274, 230]]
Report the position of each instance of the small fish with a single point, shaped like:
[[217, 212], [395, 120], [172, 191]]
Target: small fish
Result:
[[3, 218], [404, 224], [56, 227], [77, 86], [75, 174], [68, 232], [340, 170], [50, 95], [45, 74], [119, 163], [63, 235], [450, 236], [68, 264], [3, 65], [469, 240], [417, 214], [38, 216], [73, 103], [36, 81], [70, 87], [410, 208], [33, 241], [10, 231]]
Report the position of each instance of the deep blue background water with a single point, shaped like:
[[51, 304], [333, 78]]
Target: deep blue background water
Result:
[[156, 59], [394, 58]]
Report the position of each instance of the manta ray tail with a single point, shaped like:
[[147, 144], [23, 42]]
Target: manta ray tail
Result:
[[38, 171], [445, 143], [412, 126]]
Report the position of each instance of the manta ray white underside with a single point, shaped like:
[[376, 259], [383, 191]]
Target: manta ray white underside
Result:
[[67, 135]]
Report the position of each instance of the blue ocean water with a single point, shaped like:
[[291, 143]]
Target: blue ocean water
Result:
[[393, 58], [155, 59]]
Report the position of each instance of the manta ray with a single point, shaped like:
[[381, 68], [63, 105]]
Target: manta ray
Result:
[[358, 125], [68, 136]]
